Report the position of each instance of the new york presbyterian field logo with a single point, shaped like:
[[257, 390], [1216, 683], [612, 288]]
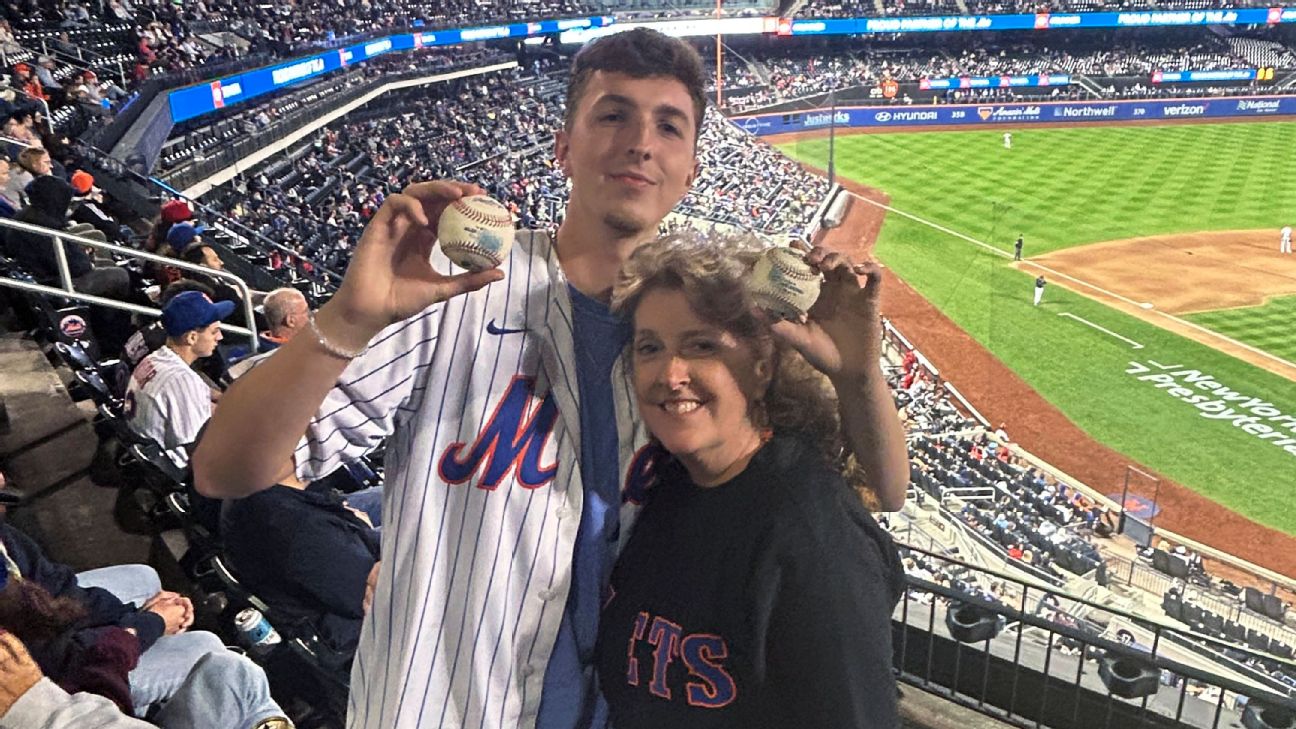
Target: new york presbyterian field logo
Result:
[[513, 439]]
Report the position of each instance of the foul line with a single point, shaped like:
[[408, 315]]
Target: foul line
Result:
[[1080, 282], [1105, 330]]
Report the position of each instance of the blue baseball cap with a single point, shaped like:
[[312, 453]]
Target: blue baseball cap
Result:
[[182, 234], [192, 310]]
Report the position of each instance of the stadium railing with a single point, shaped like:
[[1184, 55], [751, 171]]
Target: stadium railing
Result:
[[1124, 570], [66, 290], [1003, 659]]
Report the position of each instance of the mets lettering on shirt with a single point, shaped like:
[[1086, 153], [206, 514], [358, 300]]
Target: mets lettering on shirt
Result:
[[513, 439], [708, 684]]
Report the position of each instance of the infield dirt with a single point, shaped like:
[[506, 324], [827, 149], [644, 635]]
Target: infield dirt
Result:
[[1035, 424]]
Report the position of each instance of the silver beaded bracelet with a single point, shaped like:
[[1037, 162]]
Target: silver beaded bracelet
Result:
[[328, 346]]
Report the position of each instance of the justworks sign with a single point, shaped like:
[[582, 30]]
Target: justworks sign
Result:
[[825, 118]]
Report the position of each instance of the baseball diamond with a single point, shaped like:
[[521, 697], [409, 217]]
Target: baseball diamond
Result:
[[675, 364], [1183, 218]]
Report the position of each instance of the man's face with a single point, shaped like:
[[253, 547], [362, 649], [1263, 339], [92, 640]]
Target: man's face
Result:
[[630, 151], [43, 165], [211, 259], [206, 339]]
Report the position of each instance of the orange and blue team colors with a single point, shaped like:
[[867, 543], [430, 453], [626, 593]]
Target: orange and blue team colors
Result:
[[703, 654], [478, 402]]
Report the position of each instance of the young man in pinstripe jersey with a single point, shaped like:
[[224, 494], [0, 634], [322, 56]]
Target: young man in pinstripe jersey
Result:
[[514, 451]]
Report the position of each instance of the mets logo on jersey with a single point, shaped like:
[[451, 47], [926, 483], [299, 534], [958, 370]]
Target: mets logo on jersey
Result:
[[512, 440]]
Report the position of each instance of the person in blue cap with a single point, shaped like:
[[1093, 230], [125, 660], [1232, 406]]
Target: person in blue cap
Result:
[[167, 401], [182, 235]]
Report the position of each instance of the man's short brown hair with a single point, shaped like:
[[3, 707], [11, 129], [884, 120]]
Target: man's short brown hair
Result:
[[639, 53], [30, 156]]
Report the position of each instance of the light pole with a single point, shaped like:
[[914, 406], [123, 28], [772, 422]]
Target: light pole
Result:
[[719, 61]]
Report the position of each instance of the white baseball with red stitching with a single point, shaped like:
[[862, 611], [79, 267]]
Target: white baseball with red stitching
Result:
[[783, 284], [475, 232]]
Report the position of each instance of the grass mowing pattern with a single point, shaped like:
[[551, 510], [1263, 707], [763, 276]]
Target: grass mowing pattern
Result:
[[1271, 327], [1065, 187]]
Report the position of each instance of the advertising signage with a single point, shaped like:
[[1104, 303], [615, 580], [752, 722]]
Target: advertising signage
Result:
[[193, 101], [1023, 114]]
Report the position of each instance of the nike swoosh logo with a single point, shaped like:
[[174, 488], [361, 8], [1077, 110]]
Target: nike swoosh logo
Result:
[[490, 327]]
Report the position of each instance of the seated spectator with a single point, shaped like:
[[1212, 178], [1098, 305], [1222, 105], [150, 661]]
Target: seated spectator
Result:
[[86, 207], [25, 79], [149, 337], [32, 163], [203, 701], [172, 212], [186, 239], [21, 128], [166, 400], [44, 71], [309, 552], [8, 43], [286, 313], [106, 599], [48, 207], [9, 206]]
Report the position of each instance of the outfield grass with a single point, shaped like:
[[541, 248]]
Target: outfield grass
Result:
[[1271, 327], [1065, 187], [1084, 177]]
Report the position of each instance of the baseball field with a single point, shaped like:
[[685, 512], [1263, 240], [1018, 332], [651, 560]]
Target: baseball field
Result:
[[1169, 329]]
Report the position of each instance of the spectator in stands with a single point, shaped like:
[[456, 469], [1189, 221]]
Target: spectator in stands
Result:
[[8, 43], [107, 598], [172, 212], [25, 81], [286, 313], [30, 161], [186, 238], [166, 400], [90, 91], [9, 206], [49, 200], [44, 71], [204, 701], [148, 338], [21, 127], [86, 208], [310, 552]]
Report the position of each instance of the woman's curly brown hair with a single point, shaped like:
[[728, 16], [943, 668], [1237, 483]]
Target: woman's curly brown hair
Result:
[[711, 271]]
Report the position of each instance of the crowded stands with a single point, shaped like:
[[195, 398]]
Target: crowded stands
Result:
[[302, 556]]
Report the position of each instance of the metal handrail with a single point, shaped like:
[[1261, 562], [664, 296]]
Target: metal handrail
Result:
[[67, 290], [325, 277]]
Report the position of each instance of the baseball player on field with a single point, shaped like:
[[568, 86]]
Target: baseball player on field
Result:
[[1284, 239], [1007, 140], [515, 460]]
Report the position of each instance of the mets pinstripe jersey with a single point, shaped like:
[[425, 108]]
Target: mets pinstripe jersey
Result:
[[478, 399], [167, 402]]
